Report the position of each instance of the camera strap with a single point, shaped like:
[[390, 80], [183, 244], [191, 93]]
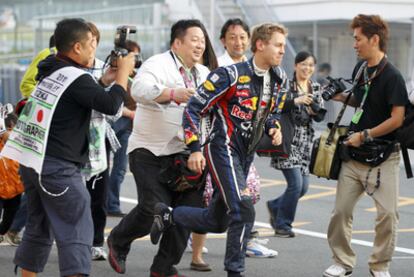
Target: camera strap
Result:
[[367, 84], [331, 135]]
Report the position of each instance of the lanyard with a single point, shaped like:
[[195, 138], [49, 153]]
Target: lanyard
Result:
[[367, 84], [189, 77]]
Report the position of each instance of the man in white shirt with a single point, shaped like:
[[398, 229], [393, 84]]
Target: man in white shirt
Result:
[[162, 87], [235, 37]]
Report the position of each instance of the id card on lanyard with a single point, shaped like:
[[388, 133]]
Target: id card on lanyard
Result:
[[367, 84]]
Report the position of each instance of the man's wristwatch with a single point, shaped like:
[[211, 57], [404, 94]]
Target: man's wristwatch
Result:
[[367, 137]]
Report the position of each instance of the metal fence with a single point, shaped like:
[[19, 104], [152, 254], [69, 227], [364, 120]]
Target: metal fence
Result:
[[152, 35]]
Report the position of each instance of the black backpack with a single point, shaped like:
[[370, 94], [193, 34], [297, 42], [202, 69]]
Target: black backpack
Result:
[[405, 136]]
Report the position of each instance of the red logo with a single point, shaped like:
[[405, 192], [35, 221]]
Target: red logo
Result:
[[243, 93], [237, 112], [39, 116]]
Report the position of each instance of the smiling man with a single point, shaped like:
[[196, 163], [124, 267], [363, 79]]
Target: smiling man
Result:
[[162, 87], [380, 98], [235, 37], [241, 99]]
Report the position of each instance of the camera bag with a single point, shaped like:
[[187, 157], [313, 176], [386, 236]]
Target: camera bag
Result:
[[325, 157]]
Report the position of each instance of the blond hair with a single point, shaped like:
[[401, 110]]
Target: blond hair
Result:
[[264, 32]]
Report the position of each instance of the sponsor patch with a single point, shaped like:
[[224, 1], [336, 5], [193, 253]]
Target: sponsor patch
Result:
[[190, 137], [237, 112], [208, 85], [244, 79], [200, 99], [243, 93], [250, 103], [214, 78], [243, 86]]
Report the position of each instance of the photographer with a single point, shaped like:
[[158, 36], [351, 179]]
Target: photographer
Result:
[[380, 97], [304, 105], [58, 201], [123, 129]]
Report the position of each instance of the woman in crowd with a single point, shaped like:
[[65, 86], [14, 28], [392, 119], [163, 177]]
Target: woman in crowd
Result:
[[305, 106]]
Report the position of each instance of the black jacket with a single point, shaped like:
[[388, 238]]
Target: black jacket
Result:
[[69, 130]]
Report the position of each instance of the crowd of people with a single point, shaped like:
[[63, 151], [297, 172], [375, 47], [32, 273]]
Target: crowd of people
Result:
[[194, 173]]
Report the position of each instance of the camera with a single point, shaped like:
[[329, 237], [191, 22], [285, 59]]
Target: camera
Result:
[[121, 47], [334, 86]]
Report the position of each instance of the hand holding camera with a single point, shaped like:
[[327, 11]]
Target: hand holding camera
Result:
[[305, 99], [334, 87]]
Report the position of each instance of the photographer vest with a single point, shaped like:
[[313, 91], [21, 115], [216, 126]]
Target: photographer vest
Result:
[[28, 140]]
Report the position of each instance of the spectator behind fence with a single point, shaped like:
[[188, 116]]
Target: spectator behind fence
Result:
[[61, 104], [380, 98]]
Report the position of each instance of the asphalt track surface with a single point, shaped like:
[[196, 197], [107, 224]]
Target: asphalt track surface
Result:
[[306, 255]]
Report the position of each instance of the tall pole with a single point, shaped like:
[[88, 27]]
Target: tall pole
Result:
[[315, 39], [411, 60], [212, 20]]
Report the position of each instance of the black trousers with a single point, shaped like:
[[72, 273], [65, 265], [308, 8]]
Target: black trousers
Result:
[[98, 190], [9, 207], [146, 167]]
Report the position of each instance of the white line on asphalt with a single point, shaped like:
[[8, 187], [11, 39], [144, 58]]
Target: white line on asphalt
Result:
[[303, 232], [323, 236]]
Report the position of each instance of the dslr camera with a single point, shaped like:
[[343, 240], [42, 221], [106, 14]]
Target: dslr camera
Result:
[[121, 50], [334, 86]]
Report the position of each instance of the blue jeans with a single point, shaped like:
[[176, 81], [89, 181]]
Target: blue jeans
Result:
[[122, 128], [283, 208]]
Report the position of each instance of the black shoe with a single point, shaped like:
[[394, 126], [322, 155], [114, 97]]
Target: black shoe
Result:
[[234, 274], [116, 259], [254, 234], [272, 218], [281, 233], [156, 274], [116, 214], [162, 220]]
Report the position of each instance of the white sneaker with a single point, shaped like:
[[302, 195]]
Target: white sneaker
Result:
[[337, 270], [190, 247], [379, 273], [256, 249], [99, 254]]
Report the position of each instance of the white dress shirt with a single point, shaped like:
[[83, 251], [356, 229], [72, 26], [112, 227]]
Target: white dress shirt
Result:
[[157, 127], [225, 59]]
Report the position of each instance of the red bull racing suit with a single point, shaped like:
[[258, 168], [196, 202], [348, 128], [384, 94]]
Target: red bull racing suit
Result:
[[233, 97]]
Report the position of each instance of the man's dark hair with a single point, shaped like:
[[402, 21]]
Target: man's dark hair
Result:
[[52, 41], [231, 22], [180, 27], [325, 67], [70, 31], [95, 31], [132, 45], [372, 25], [10, 120]]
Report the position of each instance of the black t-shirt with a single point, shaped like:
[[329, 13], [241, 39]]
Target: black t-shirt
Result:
[[386, 90], [69, 131]]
